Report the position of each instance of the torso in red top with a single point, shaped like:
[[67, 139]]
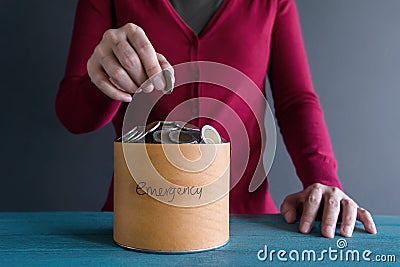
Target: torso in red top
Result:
[[256, 37]]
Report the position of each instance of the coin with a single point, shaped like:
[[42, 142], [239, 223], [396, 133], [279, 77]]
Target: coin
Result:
[[186, 126], [161, 136], [210, 135], [164, 132], [134, 135], [170, 81], [182, 137], [128, 134], [168, 125], [151, 127]]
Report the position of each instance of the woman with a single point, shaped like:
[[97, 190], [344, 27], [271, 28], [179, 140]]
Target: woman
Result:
[[117, 45]]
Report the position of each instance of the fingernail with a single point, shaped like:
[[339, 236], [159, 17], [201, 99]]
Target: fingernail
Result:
[[306, 227], [127, 98], [159, 82], [329, 230], [347, 230], [288, 216], [373, 227], [148, 88]]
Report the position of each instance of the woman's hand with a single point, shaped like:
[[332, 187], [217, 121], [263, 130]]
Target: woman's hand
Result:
[[332, 200], [123, 60]]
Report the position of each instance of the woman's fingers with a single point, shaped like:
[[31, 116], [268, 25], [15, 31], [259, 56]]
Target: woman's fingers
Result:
[[101, 80], [124, 60], [117, 74], [130, 61], [103, 55], [311, 206], [146, 53], [330, 215], [160, 77], [288, 208], [164, 63], [349, 215], [334, 201], [365, 217]]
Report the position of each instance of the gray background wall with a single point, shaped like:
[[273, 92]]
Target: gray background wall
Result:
[[353, 50]]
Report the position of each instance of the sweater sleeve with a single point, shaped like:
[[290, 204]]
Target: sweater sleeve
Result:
[[80, 106], [298, 111]]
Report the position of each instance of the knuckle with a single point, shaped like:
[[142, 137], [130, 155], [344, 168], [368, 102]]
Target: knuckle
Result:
[[102, 84], [146, 47], [107, 34], [316, 186], [332, 202], [313, 199], [335, 190], [316, 191], [98, 51], [348, 218], [133, 28], [330, 220], [152, 69], [117, 74], [347, 202], [129, 62], [110, 35]]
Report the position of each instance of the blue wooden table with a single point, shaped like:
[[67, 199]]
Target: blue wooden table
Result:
[[85, 239]]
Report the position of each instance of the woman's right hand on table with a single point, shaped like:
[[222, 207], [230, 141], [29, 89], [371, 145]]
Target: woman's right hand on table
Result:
[[123, 60]]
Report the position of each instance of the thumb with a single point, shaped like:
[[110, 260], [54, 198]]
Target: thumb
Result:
[[165, 79], [164, 64], [288, 209]]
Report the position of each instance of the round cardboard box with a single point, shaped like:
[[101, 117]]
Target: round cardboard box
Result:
[[185, 211]]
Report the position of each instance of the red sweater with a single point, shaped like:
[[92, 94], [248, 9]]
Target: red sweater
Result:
[[259, 38]]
